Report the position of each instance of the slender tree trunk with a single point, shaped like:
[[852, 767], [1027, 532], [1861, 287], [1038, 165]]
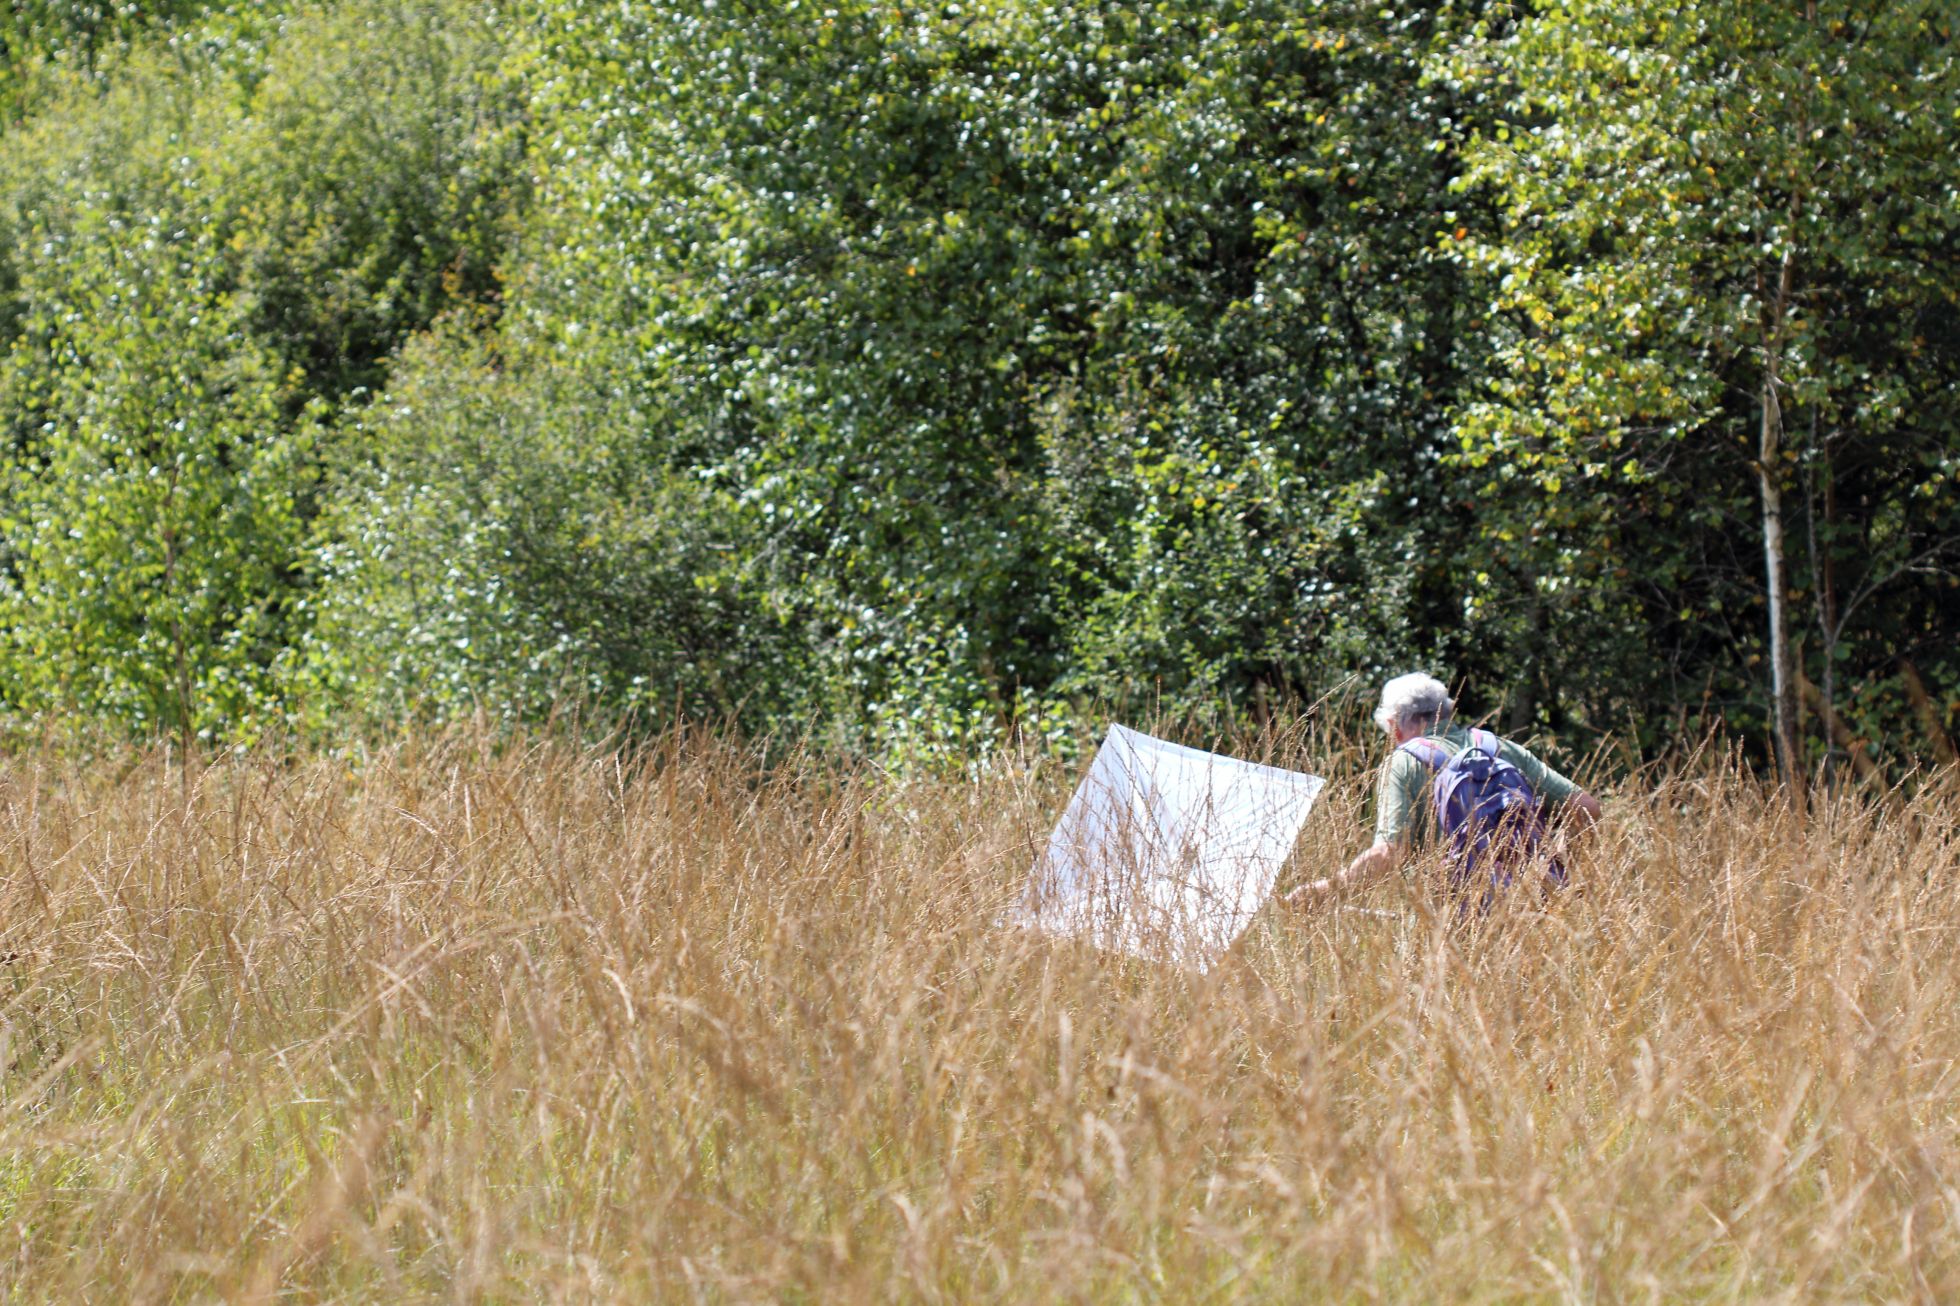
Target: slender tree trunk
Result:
[[179, 642], [1929, 714], [1769, 469], [1827, 588], [1849, 743], [1524, 703], [1823, 568], [1782, 681]]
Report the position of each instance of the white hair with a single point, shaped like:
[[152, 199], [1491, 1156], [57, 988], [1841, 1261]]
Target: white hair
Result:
[[1412, 700]]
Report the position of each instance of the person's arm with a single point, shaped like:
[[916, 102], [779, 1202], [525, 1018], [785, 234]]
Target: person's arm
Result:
[[1572, 811], [1573, 820], [1372, 861], [1398, 787], [1580, 813]]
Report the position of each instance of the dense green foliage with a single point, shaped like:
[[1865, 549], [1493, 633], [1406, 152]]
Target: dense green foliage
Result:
[[919, 373], [1707, 212]]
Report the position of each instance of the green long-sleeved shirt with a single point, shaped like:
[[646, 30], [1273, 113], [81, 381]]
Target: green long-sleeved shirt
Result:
[[1402, 806]]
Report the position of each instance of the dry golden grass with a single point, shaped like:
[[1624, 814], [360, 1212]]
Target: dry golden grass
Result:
[[562, 1024]]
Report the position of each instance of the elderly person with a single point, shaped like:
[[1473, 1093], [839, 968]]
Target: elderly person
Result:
[[1416, 714]]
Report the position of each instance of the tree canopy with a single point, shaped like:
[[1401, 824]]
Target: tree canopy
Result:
[[918, 375]]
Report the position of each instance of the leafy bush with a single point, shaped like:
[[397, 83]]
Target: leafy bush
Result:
[[150, 520], [208, 245], [499, 540], [1036, 344], [374, 181]]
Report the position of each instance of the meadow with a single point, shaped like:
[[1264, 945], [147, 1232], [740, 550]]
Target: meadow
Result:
[[508, 1021]]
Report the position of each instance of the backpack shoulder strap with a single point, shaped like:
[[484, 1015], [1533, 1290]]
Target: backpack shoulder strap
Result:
[[1428, 752]]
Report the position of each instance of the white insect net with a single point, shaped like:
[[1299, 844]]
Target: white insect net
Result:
[[1167, 852]]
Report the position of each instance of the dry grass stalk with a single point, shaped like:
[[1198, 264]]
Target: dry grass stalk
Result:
[[576, 1024]]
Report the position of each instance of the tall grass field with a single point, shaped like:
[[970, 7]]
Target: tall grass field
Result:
[[689, 1021]]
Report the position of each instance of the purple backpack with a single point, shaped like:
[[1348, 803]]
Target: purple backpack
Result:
[[1494, 820]]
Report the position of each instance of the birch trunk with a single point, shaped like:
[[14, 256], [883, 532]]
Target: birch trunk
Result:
[[1783, 683], [1769, 468]]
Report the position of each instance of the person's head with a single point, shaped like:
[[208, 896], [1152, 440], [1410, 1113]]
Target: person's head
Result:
[[1412, 705]]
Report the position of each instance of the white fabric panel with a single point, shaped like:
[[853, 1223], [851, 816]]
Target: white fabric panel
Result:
[[1165, 851]]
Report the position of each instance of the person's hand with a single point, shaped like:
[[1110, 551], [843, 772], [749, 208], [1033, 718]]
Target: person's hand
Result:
[[1308, 894], [1375, 859]]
